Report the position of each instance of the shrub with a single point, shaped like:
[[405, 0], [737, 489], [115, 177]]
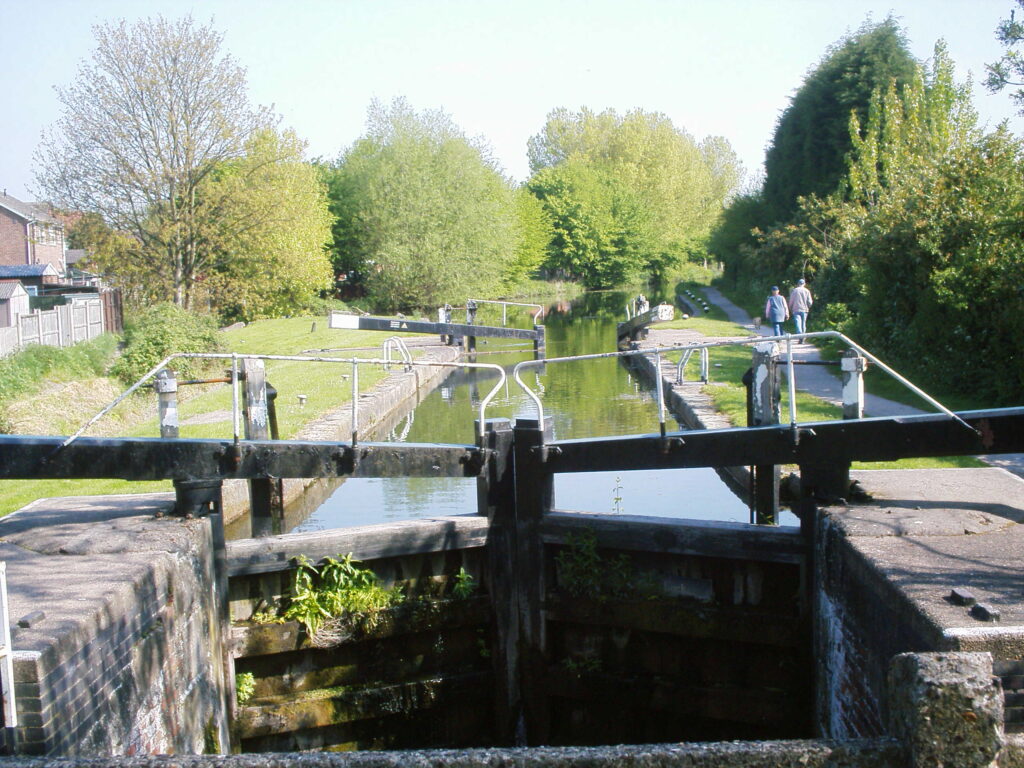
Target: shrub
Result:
[[159, 331]]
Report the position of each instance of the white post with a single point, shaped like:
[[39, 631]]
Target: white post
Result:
[[853, 366], [7, 660]]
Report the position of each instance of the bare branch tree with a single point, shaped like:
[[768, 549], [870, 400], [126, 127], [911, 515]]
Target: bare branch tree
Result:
[[150, 117]]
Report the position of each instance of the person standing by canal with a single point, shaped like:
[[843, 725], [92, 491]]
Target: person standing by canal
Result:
[[800, 302], [776, 311]]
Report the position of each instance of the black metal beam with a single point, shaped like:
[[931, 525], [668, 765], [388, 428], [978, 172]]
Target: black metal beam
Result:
[[183, 459], [878, 439], [393, 325]]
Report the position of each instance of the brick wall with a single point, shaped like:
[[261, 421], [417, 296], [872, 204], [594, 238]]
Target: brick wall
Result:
[[124, 661], [12, 239]]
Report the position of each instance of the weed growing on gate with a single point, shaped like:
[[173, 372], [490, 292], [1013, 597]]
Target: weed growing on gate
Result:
[[585, 572], [326, 599], [245, 686], [465, 584]]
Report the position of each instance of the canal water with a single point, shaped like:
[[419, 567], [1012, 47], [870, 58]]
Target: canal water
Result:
[[584, 399]]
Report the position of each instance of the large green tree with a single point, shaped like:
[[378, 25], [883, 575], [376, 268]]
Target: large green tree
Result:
[[423, 213], [156, 111], [812, 139], [629, 194], [270, 236]]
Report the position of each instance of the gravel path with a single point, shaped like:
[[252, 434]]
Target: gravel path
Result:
[[816, 380]]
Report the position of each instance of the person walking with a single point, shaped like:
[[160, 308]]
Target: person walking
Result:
[[776, 311], [800, 302]]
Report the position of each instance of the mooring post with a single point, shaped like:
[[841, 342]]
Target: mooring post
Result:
[[853, 366], [766, 397], [496, 500], [540, 341], [534, 495], [166, 386], [203, 498], [266, 513]]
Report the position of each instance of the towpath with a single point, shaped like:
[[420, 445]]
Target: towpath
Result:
[[817, 381]]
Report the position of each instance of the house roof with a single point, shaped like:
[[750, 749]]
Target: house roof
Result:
[[16, 271], [73, 255], [27, 211], [8, 288]]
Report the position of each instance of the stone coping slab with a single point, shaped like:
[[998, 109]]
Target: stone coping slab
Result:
[[928, 531]]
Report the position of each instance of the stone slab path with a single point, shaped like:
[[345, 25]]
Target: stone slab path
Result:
[[817, 381]]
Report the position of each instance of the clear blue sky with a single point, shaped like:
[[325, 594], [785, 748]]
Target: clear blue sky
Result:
[[715, 67]]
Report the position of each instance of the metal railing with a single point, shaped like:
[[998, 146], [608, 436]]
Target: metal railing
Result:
[[506, 304], [397, 343], [355, 362], [687, 349]]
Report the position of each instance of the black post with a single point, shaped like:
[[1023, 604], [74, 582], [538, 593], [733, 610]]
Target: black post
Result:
[[534, 496], [471, 320], [496, 500]]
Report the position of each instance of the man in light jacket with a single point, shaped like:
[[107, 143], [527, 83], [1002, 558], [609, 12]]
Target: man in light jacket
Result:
[[776, 311], [800, 302]]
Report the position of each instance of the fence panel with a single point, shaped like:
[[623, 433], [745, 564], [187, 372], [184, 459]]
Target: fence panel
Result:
[[49, 329], [8, 340]]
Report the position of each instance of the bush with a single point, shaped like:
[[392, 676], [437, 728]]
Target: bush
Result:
[[162, 330]]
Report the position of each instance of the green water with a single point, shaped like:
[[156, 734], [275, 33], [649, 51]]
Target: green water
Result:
[[583, 398]]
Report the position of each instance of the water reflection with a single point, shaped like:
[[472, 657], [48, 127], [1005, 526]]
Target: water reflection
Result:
[[586, 398]]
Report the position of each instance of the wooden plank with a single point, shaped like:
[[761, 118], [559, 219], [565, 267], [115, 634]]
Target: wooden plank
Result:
[[706, 538], [683, 619], [317, 709], [368, 542], [408, 618], [731, 704]]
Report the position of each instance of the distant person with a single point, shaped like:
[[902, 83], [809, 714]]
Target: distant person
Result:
[[776, 311], [800, 302]]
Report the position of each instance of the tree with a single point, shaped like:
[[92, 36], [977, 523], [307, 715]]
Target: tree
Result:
[[146, 122], [422, 212], [1009, 70], [268, 239], [629, 194], [812, 139]]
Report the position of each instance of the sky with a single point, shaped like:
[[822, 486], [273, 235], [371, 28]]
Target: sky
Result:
[[497, 67]]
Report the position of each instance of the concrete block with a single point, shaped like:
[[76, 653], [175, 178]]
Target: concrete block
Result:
[[946, 709]]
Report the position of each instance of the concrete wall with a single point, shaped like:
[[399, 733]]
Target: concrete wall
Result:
[[124, 658]]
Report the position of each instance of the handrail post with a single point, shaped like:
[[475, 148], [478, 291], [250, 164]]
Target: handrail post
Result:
[[766, 398], [496, 500], [166, 386], [471, 320], [534, 496]]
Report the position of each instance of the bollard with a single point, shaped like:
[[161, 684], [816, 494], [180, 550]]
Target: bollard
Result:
[[853, 366], [540, 342], [266, 512], [766, 396], [166, 386]]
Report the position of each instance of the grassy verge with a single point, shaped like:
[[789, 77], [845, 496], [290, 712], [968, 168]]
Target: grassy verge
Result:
[[728, 364], [205, 412]]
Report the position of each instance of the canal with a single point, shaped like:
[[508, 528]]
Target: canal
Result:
[[585, 399]]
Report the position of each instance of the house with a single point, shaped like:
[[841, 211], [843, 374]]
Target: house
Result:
[[13, 301], [29, 235], [36, 278]]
